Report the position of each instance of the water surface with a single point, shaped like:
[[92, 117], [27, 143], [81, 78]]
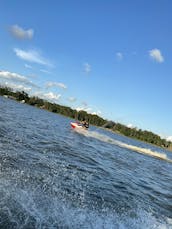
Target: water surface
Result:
[[54, 177]]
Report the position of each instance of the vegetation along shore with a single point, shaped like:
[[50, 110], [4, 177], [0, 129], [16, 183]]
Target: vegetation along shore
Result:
[[143, 135]]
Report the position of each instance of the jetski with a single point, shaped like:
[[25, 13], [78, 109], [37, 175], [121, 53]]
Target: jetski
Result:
[[78, 125]]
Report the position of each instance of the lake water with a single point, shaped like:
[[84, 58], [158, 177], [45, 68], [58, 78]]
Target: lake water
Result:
[[54, 177]]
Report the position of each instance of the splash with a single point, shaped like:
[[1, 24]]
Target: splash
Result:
[[32, 208], [137, 149]]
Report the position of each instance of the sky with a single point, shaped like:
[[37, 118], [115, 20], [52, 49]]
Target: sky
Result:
[[112, 58]]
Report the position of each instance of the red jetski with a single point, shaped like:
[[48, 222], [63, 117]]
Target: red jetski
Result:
[[78, 125]]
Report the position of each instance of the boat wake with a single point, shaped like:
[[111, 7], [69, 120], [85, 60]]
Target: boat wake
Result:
[[137, 149]]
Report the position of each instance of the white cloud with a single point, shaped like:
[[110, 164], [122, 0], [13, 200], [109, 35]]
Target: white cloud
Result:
[[16, 77], [17, 87], [89, 110], [48, 96], [155, 54], [87, 68], [32, 56], [10, 75], [119, 56], [130, 126], [52, 96], [45, 71], [96, 113], [55, 84], [20, 33], [80, 108], [169, 138]]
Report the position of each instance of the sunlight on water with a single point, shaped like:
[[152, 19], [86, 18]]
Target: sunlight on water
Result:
[[107, 139]]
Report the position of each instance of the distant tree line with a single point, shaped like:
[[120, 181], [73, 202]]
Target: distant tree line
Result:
[[142, 135], [56, 108], [139, 134]]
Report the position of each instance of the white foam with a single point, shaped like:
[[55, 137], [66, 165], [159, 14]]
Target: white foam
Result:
[[43, 211], [137, 149]]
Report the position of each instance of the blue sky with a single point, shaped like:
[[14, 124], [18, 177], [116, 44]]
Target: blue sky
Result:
[[112, 58]]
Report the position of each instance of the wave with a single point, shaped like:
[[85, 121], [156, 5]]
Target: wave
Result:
[[137, 149], [31, 206]]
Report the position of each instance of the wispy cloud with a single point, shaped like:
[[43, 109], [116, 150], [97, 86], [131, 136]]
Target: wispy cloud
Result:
[[20, 33], [28, 66], [55, 84], [32, 56], [119, 56], [45, 71], [155, 54], [87, 68]]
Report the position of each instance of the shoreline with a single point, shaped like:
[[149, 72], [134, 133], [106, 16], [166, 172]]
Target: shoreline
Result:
[[95, 120]]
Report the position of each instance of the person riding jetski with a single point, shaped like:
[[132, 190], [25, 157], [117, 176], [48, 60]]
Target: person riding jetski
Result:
[[85, 124]]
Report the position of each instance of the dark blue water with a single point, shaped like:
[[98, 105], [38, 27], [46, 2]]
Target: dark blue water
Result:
[[54, 177]]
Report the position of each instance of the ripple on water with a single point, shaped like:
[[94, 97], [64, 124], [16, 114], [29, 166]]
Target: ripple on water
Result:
[[53, 177]]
